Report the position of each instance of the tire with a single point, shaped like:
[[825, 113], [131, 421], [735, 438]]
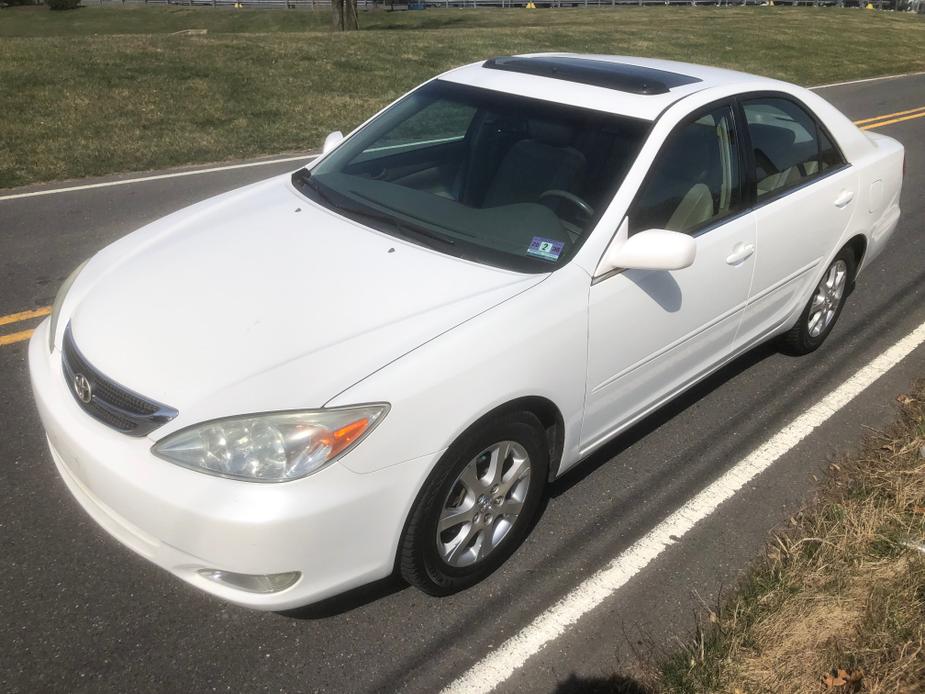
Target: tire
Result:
[[832, 291], [483, 532]]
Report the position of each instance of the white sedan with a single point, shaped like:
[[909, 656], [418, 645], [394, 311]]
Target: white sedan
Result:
[[378, 363]]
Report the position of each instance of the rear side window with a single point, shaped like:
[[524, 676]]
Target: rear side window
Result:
[[829, 156], [695, 181], [789, 146]]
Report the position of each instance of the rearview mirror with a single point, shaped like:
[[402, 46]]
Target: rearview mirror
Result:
[[331, 141], [653, 249]]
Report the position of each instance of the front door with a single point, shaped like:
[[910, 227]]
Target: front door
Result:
[[652, 332]]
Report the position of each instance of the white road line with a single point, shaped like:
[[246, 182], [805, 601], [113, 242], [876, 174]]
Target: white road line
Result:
[[158, 177], [868, 79], [497, 667]]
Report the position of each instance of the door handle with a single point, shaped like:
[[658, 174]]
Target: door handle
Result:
[[741, 252], [843, 199]]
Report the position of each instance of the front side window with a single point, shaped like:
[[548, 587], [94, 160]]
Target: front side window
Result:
[[496, 178], [695, 180], [789, 146]]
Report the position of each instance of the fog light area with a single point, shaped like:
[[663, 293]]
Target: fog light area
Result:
[[270, 583]]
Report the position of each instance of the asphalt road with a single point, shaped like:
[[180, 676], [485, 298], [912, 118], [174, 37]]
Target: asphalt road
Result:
[[80, 613]]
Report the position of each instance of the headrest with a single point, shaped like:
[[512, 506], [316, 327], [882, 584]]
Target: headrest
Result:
[[692, 149], [549, 132], [773, 141]]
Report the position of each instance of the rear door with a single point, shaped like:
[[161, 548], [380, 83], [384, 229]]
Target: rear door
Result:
[[805, 196]]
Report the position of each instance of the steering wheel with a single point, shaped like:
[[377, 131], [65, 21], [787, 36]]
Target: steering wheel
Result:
[[571, 197]]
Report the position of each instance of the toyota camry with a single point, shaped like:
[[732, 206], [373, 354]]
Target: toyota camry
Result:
[[377, 363]]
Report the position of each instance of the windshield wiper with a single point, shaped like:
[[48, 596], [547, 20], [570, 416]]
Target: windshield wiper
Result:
[[402, 225], [407, 229], [417, 228], [303, 178]]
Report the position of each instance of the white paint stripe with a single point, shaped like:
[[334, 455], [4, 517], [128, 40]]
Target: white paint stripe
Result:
[[157, 177], [497, 667], [868, 79]]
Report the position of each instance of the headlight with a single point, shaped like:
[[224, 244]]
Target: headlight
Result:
[[275, 447], [59, 299]]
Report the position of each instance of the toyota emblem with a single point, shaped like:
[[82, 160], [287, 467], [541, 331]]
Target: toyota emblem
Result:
[[82, 388]]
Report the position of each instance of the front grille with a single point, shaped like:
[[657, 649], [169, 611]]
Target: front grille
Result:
[[107, 401]]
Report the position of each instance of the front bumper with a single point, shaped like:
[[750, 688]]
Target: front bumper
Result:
[[338, 528]]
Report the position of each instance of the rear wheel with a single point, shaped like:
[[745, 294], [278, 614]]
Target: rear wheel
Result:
[[477, 506], [823, 308]]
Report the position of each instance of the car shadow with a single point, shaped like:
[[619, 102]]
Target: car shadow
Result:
[[661, 416], [661, 287], [349, 601], [615, 684]]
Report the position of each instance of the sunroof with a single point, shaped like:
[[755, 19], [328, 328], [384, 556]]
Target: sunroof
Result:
[[598, 73]]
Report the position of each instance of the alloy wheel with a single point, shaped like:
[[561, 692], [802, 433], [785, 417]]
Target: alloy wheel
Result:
[[483, 504], [827, 298]]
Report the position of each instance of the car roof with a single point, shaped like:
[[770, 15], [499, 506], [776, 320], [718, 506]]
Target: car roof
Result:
[[636, 87]]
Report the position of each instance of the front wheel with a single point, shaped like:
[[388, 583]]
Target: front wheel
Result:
[[823, 308], [477, 506]]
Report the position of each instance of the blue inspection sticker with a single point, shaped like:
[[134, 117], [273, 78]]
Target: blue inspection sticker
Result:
[[549, 249]]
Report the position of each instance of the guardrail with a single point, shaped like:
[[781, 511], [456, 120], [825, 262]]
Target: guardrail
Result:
[[897, 5], [251, 4]]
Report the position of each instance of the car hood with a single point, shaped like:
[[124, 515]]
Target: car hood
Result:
[[262, 300]]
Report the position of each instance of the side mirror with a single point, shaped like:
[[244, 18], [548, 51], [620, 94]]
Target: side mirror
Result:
[[654, 249], [331, 141]]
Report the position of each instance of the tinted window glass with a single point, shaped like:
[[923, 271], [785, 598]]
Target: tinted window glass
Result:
[[437, 122], [829, 155], [481, 174], [787, 144], [695, 179]]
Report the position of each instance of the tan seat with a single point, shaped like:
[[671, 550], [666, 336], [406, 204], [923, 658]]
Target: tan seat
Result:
[[695, 208], [786, 178], [545, 160]]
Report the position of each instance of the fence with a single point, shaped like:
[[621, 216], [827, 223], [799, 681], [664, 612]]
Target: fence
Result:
[[899, 5]]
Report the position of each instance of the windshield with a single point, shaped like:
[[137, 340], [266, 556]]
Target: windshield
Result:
[[500, 179]]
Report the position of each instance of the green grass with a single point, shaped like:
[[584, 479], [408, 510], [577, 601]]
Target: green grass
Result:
[[104, 90], [133, 19]]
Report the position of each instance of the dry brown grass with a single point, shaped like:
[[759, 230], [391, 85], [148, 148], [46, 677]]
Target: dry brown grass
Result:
[[842, 588]]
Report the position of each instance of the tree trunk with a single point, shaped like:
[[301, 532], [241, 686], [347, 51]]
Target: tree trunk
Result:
[[344, 14]]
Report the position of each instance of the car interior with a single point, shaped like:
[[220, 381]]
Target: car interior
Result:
[[694, 179], [789, 147], [507, 174], [505, 159], [501, 171]]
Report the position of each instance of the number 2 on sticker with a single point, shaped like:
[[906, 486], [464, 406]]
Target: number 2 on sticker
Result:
[[545, 247]]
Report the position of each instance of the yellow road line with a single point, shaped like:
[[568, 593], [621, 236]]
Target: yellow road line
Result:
[[889, 115], [25, 315], [15, 337], [894, 120]]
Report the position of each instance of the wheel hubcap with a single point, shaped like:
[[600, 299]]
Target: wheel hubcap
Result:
[[483, 504], [827, 298]]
